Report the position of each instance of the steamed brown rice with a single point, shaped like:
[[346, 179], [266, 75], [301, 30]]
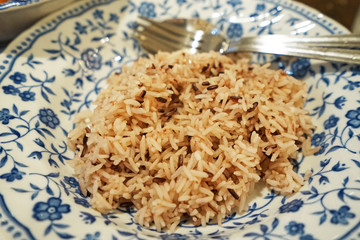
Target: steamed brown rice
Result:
[[180, 135]]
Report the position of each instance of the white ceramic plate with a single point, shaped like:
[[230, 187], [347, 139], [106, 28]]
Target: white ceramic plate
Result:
[[57, 67]]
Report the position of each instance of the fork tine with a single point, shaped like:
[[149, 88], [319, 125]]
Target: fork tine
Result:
[[149, 39], [172, 27], [161, 32]]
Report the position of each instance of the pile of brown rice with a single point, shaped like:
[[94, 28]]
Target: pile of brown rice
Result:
[[181, 135]]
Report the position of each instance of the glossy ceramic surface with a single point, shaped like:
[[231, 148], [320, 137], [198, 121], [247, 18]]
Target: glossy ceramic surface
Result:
[[57, 67]]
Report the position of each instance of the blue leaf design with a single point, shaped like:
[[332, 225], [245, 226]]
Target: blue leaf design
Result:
[[52, 51], [33, 186], [326, 81], [345, 182], [54, 175], [263, 228], [275, 223], [48, 229], [322, 69], [306, 192], [334, 148], [335, 135], [49, 191], [322, 110], [39, 132], [356, 162], [125, 234], [327, 96], [49, 90], [3, 161], [20, 146], [353, 197], [20, 164], [45, 96], [4, 134], [341, 195], [34, 195], [15, 109], [322, 219], [314, 190], [124, 8], [59, 225], [22, 113], [15, 132], [20, 190], [95, 39], [65, 235], [252, 234], [47, 132], [350, 133]]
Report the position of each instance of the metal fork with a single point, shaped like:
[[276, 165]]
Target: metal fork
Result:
[[198, 35]]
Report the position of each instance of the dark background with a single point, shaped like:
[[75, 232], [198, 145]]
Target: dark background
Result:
[[343, 11]]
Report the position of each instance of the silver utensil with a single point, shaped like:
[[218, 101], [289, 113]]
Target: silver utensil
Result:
[[198, 35]]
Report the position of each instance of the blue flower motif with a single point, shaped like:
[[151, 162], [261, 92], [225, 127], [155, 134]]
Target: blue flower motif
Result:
[[322, 149], [10, 89], [307, 237], [18, 78], [260, 7], [181, 2], [351, 85], [300, 67], [174, 236], [114, 18], [27, 96], [50, 210], [82, 201], [80, 28], [91, 58], [5, 116], [339, 102], [147, 9], [14, 174], [94, 236], [292, 206], [294, 228], [317, 139], [71, 181], [49, 118], [354, 116], [331, 122], [235, 30], [234, 3], [98, 14], [340, 216]]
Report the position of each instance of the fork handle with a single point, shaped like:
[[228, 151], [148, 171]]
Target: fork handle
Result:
[[296, 50], [338, 41]]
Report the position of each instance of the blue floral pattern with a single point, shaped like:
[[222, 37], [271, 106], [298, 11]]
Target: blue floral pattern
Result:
[[50, 210], [5, 116], [18, 78], [354, 116], [56, 70], [49, 118]]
